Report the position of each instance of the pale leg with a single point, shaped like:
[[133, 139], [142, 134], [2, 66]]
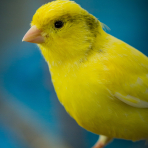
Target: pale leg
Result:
[[102, 141]]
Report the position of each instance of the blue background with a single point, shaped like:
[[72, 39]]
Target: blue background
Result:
[[25, 79]]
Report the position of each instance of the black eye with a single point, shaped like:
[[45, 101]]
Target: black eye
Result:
[[58, 24]]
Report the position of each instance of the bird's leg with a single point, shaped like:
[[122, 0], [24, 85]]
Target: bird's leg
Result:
[[102, 141]]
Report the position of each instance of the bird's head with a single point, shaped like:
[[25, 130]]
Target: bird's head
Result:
[[63, 30]]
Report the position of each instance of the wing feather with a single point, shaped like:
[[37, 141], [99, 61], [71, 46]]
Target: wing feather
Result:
[[132, 101]]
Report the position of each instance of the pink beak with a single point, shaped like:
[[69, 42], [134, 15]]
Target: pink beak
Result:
[[33, 35]]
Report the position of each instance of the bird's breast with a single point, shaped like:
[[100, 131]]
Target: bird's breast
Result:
[[82, 93]]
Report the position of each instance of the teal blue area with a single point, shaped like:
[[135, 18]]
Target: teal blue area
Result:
[[24, 74]]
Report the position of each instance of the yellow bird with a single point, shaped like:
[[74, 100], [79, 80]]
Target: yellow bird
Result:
[[100, 80]]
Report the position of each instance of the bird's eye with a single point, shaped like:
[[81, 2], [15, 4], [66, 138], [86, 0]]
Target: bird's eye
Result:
[[58, 24]]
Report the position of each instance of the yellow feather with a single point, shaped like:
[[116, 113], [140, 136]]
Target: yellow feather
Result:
[[97, 77]]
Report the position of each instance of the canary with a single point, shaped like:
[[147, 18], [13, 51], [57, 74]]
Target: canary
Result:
[[100, 80]]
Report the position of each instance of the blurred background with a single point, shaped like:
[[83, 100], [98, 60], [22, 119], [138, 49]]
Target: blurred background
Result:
[[30, 113]]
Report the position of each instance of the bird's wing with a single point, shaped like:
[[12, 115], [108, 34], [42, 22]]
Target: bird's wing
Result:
[[137, 95], [128, 73]]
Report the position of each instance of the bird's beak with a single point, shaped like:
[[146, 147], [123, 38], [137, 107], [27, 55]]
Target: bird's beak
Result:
[[33, 35]]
